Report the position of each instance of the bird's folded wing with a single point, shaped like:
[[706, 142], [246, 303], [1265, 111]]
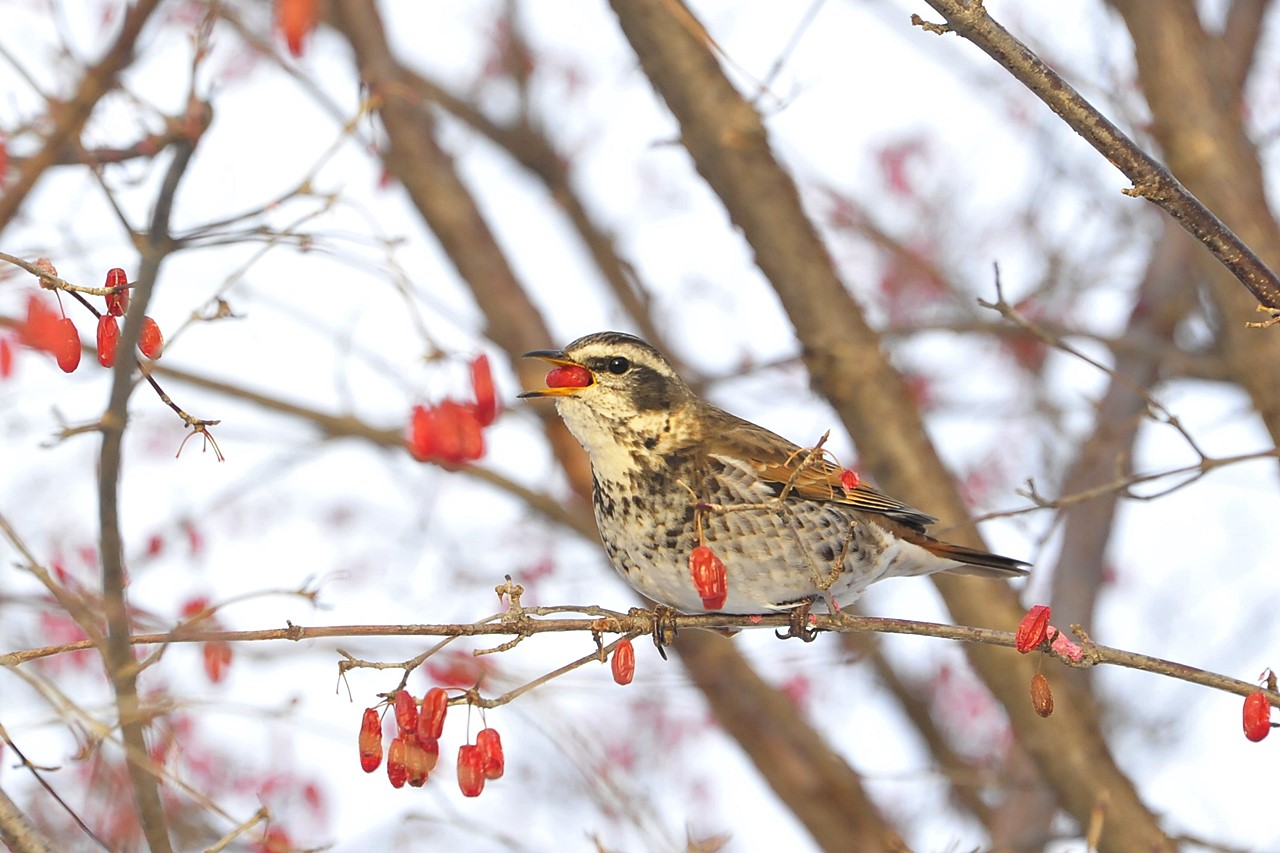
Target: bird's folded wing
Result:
[[805, 474]]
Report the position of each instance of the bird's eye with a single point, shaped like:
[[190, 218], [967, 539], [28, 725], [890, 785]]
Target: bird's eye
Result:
[[618, 365]]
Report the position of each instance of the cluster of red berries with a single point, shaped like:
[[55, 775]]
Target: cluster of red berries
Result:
[[451, 432], [49, 331], [415, 750]]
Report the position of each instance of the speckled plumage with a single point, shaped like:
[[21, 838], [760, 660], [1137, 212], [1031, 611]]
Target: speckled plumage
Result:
[[664, 461]]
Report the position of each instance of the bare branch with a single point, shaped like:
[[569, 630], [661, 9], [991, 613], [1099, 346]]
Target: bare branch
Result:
[[1151, 180], [532, 621], [17, 832], [68, 117]]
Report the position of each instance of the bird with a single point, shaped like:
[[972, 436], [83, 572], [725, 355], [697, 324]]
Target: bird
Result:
[[680, 485]]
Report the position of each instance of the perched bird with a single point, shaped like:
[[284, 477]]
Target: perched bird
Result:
[[674, 476]]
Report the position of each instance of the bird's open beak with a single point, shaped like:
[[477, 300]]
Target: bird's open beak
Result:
[[556, 357]]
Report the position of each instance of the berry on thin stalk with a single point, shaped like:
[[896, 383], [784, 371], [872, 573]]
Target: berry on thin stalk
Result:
[[492, 761], [67, 346], [1257, 716], [150, 341], [418, 763], [396, 769], [624, 661], [370, 740], [709, 579], [117, 303], [1041, 695], [406, 713], [486, 396], [431, 718], [470, 770], [108, 340]]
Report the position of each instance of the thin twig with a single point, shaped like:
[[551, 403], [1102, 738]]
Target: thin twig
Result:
[[637, 622]]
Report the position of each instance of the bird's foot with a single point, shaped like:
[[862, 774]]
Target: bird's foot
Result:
[[664, 625], [800, 627]]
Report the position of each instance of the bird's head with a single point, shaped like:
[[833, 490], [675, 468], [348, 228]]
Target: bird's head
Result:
[[612, 387]]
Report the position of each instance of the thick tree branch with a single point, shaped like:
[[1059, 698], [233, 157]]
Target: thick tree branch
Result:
[[827, 796], [1165, 294], [915, 706], [121, 666], [529, 146]]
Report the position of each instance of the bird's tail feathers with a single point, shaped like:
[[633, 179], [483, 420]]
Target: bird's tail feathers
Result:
[[977, 563]]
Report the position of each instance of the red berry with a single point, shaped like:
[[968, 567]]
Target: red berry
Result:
[[217, 658], [1041, 695], [296, 19], [1257, 716], [849, 479], [449, 433], [569, 376], [431, 718], [1032, 630], [421, 440], [470, 432], [458, 668], [431, 751], [406, 713], [108, 338], [370, 740], [150, 341], [624, 661], [709, 578], [68, 345], [491, 759], [417, 761], [194, 606], [486, 396], [40, 330], [449, 427], [274, 840], [117, 303], [470, 770], [396, 770], [6, 358]]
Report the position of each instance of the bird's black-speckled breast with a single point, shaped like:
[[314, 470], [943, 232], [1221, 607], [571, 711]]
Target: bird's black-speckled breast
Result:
[[774, 553]]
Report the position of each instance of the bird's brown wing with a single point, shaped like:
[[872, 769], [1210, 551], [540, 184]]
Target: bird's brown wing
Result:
[[802, 473]]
